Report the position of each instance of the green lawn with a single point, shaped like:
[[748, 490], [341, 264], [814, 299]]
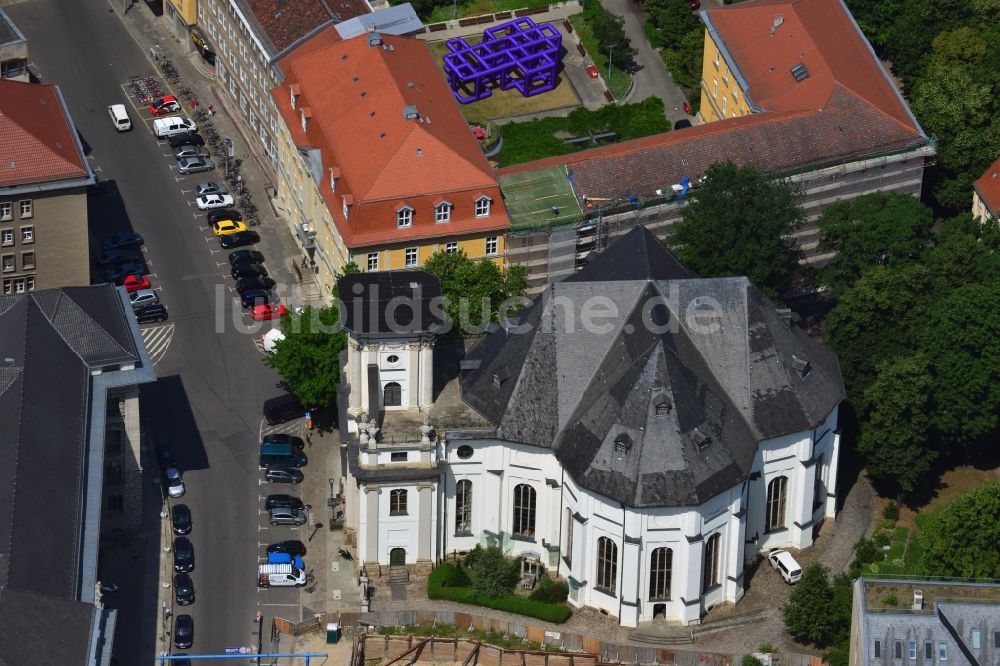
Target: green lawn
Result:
[[618, 81], [446, 12]]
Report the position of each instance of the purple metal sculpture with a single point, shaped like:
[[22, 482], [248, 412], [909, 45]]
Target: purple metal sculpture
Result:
[[518, 54]]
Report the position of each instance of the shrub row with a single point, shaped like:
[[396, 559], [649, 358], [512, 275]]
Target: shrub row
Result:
[[449, 583]]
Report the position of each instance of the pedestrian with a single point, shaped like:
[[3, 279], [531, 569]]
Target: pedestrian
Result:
[[211, 111], [555, 211], [194, 103]]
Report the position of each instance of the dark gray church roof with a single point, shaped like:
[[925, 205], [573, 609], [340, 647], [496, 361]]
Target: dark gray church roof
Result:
[[661, 408], [400, 302]]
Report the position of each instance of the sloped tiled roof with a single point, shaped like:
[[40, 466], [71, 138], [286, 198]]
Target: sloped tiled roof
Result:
[[282, 22], [988, 188], [579, 390], [38, 137]]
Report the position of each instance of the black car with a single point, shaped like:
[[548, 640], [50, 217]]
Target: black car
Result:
[[184, 631], [165, 455], [224, 214], [181, 662], [283, 502], [246, 269], [292, 547], [282, 474], [180, 517], [150, 313], [117, 241], [282, 438], [120, 255], [238, 239], [183, 589], [245, 257], [682, 123], [248, 299], [183, 555], [119, 271], [186, 139], [254, 284]]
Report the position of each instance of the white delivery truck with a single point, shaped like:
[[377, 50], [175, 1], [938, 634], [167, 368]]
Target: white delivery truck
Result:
[[165, 128], [280, 575]]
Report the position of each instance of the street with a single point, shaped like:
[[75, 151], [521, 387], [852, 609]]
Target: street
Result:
[[212, 381]]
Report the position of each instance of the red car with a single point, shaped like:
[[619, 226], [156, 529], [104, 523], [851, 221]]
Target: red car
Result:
[[164, 105], [264, 312], [133, 282]]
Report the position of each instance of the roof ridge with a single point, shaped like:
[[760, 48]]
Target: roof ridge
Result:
[[20, 426], [868, 102], [61, 295]]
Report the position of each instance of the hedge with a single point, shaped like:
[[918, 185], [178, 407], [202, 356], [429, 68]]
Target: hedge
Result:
[[449, 582]]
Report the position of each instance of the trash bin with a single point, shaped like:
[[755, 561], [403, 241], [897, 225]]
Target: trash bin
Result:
[[332, 632]]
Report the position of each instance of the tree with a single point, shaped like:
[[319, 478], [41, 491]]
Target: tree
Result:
[[961, 540], [492, 573], [896, 438], [816, 612], [873, 230], [608, 29], [474, 291], [739, 223], [308, 359]]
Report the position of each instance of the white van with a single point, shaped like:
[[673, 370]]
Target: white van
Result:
[[167, 127], [119, 117], [280, 575], [786, 565], [271, 338]]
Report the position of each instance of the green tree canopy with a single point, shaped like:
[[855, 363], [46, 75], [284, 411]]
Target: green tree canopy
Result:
[[873, 230], [474, 291], [739, 223], [308, 359], [492, 573], [818, 612], [961, 540]]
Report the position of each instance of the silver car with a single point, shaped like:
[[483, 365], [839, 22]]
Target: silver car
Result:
[[143, 297], [201, 189], [285, 516], [189, 150], [194, 164]]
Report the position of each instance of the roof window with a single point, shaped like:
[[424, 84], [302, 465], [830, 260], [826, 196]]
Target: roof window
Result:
[[664, 406], [800, 72], [801, 366], [623, 444], [700, 439], [500, 376]]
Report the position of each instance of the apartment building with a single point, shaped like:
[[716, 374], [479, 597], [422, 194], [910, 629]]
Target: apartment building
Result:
[[986, 194], [43, 191]]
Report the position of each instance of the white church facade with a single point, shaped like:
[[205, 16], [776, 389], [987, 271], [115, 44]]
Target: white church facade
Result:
[[647, 460]]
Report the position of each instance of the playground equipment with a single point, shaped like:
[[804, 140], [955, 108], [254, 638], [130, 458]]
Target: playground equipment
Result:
[[517, 54]]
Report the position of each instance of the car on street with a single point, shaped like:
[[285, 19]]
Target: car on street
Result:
[[239, 240], [194, 165], [183, 589], [224, 214], [179, 662], [252, 283], [213, 201], [164, 106], [143, 297], [183, 555], [282, 474], [282, 501], [228, 227], [184, 631], [683, 123], [284, 438], [149, 313], [268, 312], [293, 547], [120, 240], [211, 187], [133, 282], [189, 150], [245, 257], [180, 518], [165, 454], [186, 139], [175, 482], [283, 516], [121, 271], [255, 297], [119, 255], [246, 269]]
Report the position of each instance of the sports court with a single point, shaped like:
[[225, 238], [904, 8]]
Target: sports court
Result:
[[530, 196]]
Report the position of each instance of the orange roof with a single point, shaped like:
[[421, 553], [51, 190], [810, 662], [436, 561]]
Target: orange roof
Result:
[[988, 188], [766, 39], [37, 135]]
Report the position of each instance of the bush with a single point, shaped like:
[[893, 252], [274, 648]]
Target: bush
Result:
[[891, 511], [551, 591], [450, 573], [882, 538], [492, 573], [867, 552], [767, 648], [890, 599], [750, 660]]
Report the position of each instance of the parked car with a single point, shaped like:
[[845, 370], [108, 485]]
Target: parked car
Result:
[[252, 283], [268, 312], [133, 283], [282, 438], [281, 455], [246, 269], [119, 256], [245, 257], [183, 589], [282, 516], [282, 501], [149, 313], [120, 240], [180, 518], [224, 214], [682, 123], [239, 240], [211, 187], [194, 165], [183, 555], [228, 227], [293, 547], [121, 271], [786, 565], [143, 297], [255, 297], [213, 201], [184, 631], [175, 482], [189, 138], [189, 150], [282, 409], [164, 106], [281, 474]]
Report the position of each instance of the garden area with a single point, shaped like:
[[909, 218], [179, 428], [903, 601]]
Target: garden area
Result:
[[488, 578], [602, 36]]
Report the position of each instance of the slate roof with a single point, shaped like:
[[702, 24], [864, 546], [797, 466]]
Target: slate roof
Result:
[[9, 33], [578, 391], [281, 23], [988, 188], [41, 629], [38, 137], [53, 338], [401, 302]]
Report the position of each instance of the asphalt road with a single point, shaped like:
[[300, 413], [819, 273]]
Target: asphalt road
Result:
[[212, 382]]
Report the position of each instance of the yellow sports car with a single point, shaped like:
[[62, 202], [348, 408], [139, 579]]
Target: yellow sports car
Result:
[[227, 227]]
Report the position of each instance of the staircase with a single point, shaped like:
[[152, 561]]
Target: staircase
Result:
[[399, 576]]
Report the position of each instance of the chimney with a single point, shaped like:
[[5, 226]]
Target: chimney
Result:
[[778, 20]]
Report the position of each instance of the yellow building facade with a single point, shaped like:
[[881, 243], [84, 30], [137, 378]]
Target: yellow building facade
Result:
[[721, 93], [186, 9], [413, 254]]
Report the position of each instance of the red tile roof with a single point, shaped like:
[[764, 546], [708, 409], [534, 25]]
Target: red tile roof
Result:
[[767, 38], [284, 21], [38, 140], [988, 188], [357, 95]]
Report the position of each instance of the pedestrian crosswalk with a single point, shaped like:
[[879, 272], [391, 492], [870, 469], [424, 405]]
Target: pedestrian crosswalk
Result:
[[157, 340], [289, 428]]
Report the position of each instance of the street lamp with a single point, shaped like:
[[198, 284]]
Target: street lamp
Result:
[[611, 50]]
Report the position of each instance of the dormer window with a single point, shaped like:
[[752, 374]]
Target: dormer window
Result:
[[483, 206], [623, 444], [348, 200], [294, 92], [334, 175], [664, 406], [305, 115], [700, 439], [500, 376], [801, 366], [442, 212], [404, 217]]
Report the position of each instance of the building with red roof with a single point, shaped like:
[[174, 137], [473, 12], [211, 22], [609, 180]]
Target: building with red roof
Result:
[[986, 194], [43, 191], [379, 159]]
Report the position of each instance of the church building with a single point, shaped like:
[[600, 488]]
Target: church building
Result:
[[638, 431]]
